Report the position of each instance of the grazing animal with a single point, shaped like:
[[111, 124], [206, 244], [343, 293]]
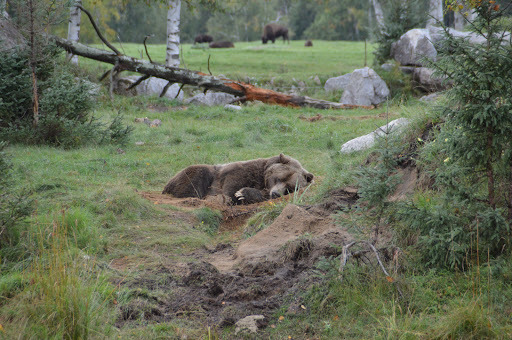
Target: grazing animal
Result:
[[203, 38], [243, 182], [274, 31], [221, 44], [308, 43]]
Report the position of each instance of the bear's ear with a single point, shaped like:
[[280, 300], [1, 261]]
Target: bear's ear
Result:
[[309, 177], [283, 159]]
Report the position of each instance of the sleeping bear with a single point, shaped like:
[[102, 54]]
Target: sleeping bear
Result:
[[242, 182]]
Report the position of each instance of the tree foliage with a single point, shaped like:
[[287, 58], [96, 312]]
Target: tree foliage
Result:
[[399, 17], [474, 145]]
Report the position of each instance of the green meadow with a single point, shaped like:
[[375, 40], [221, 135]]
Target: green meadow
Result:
[[92, 241]]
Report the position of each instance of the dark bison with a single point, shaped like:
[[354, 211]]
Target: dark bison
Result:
[[203, 38], [308, 43], [221, 44], [274, 31]]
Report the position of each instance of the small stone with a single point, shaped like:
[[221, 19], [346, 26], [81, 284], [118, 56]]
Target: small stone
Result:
[[139, 143], [232, 107], [249, 324]]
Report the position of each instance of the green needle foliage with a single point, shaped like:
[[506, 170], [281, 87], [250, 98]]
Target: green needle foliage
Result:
[[475, 177]]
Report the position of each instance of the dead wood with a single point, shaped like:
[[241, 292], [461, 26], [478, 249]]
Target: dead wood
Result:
[[346, 254]]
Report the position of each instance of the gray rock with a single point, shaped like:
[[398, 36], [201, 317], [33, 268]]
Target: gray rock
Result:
[[10, 37], [317, 81], [211, 99], [149, 87], [367, 141], [248, 324], [424, 79], [337, 83], [407, 69], [365, 87], [430, 97], [301, 85], [387, 67], [232, 107], [437, 34], [412, 46]]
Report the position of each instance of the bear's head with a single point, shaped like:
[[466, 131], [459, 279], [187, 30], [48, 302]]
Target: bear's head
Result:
[[285, 175]]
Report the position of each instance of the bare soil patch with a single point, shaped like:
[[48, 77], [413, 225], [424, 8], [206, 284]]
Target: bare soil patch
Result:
[[227, 282]]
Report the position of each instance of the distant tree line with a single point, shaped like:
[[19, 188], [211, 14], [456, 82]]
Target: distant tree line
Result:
[[243, 20], [235, 20]]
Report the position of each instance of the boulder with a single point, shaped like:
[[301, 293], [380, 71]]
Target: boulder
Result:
[[367, 141], [211, 99], [149, 87], [365, 87], [437, 34], [430, 97], [337, 83], [10, 37], [249, 324], [388, 67], [424, 80], [412, 46]]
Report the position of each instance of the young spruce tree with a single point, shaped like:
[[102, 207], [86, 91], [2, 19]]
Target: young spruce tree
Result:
[[479, 115], [475, 143]]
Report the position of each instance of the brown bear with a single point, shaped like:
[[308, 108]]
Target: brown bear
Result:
[[221, 44], [274, 31], [203, 38], [242, 182], [308, 43]]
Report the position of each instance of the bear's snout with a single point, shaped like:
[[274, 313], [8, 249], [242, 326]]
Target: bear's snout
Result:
[[274, 195]]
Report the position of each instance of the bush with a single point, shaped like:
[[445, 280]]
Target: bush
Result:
[[474, 209], [65, 104]]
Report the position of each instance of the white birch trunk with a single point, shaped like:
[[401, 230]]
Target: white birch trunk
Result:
[[172, 57], [74, 27], [435, 12], [3, 8], [379, 15]]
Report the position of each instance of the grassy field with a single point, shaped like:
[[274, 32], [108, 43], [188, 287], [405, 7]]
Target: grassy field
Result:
[[94, 250], [261, 63]]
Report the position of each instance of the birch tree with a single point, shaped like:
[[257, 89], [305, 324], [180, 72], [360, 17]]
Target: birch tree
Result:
[[74, 27], [435, 12], [172, 56], [379, 15]]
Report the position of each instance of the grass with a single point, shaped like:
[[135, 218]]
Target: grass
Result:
[[260, 64], [114, 247]]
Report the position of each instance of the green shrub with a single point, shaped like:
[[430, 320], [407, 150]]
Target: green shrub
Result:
[[65, 104], [471, 151]]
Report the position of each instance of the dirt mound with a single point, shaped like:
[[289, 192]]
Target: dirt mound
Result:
[[293, 235], [224, 284]]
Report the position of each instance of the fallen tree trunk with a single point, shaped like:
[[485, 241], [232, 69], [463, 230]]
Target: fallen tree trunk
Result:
[[184, 76]]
